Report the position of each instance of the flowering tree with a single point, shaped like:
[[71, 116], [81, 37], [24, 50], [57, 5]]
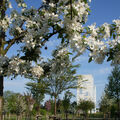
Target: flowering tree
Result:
[[61, 76], [48, 105], [34, 27]]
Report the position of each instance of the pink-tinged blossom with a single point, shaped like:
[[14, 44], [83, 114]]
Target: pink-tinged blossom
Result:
[[48, 105]]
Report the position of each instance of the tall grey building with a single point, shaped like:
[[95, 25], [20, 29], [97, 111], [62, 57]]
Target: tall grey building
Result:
[[88, 90]]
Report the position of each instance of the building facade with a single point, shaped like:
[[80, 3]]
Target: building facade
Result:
[[88, 90]]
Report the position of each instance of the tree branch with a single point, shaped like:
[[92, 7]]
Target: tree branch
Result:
[[46, 38], [12, 41]]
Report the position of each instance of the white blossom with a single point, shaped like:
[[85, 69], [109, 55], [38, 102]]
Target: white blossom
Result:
[[24, 5], [37, 71], [93, 29], [117, 22], [107, 30], [5, 22], [89, 0], [10, 5]]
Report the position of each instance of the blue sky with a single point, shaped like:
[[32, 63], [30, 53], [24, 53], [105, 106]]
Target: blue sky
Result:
[[102, 11]]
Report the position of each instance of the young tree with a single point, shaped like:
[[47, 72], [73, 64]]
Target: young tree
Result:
[[105, 104], [37, 88], [62, 74], [66, 102], [73, 108], [112, 89], [85, 106], [31, 28]]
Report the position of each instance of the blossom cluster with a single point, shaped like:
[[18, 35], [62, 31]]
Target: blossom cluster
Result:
[[99, 40], [16, 66], [5, 23], [48, 105], [34, 27]]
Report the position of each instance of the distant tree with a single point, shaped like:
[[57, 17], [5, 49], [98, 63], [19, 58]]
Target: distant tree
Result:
[[20, 106], [37, 88], [112, 89], [59, 105], [86, 106], [105, 104], [48, 105], [66, 102], [73, 108], [14, 103], [29, 105], [9, 100]]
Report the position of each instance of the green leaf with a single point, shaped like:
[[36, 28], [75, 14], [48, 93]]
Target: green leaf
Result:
[[63, 40], [114, 36], [85, 1], [109, 59], [60, 35], [89, 9], [69, 53], [84, 36], [74, 11], [111, 32], [90, 59]]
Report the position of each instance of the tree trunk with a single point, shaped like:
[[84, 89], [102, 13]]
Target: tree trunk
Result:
[[1, 97], [118, 104], [119, 108], [66, 114], [117, 92], [17, 117], [55, 107], [2, 39]]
